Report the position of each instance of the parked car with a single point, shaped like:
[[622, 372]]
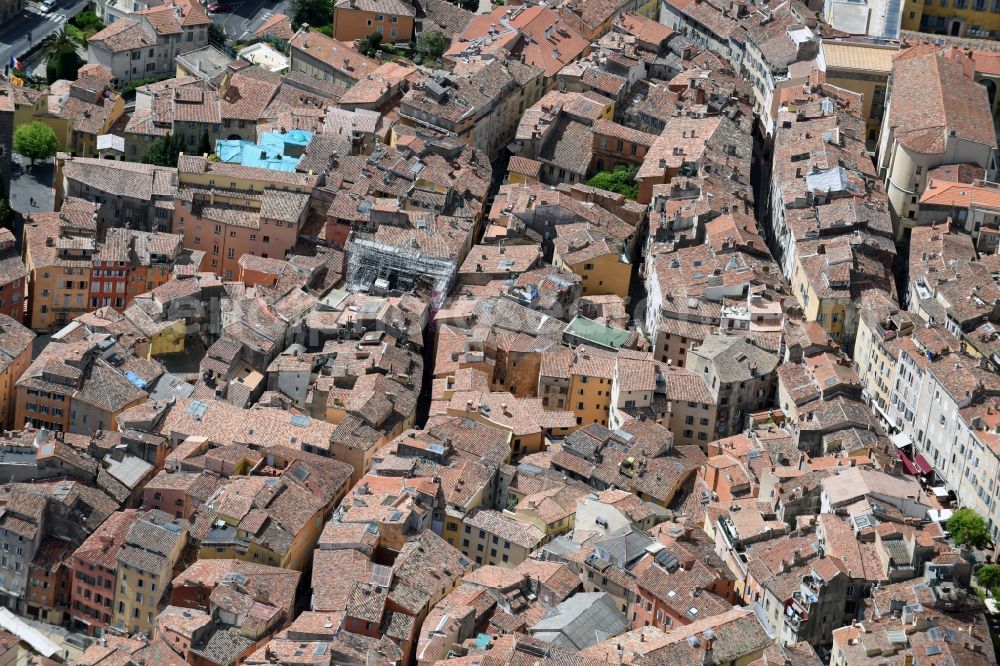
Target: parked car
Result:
[[48, 5], [217, 7]]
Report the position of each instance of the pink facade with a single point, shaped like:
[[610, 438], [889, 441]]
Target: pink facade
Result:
[[173, 501]]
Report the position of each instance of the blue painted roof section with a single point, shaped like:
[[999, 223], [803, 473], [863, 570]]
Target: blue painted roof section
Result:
[[270, 153]]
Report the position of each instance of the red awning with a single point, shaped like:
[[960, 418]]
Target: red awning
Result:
[[922, 463], [908, 464]]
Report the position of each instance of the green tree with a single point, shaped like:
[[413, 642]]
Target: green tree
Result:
[[988, 576], [54, 44], [64, 65], [431, 45], [313, 12], [163, 151], [205, 144], [36, 141], [76, 34], [968, 528], [216, 35], [61, 59], [621, 180], [88, 21], [371, 43]]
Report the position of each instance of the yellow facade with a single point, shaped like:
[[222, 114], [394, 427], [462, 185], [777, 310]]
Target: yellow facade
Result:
[[53, 302], [958, 18], [552, 530], [83, 144], [168, 341], [253, 553], [828, 312], [249, 179], [589, 399], [521, 445], [991, 81], [138, 593], [27, 112], [61, 127], [875, 365], [864, 69], [607, 274], [299, 553], [454, 524]]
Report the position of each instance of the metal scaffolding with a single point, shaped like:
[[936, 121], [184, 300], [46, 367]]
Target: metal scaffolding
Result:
[[374, 264]]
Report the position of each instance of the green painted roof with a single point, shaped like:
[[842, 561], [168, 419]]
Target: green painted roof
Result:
[[599, 334]]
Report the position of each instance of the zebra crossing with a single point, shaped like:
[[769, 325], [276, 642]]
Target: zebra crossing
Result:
[[258, 21], [55, 17]]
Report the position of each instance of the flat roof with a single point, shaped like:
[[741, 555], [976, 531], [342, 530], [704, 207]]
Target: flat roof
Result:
[[268, 153], [588, 329], [862, 57]]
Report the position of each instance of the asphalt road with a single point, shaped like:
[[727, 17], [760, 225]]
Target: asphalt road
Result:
[[31, 27], [247, 16]]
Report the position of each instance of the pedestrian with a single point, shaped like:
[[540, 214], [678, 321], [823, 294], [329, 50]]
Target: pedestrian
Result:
[[32, 201]]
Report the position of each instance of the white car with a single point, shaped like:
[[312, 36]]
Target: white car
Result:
[[48, 5]]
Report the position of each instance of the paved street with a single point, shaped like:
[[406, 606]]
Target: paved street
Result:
[[246, 17], [36, 184], [18, 36]]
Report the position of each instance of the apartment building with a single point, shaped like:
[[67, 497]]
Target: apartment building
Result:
[[863, 68], [578, 381], [58, 255], [94, 572], [971, 206], [547, 40], [16, 343], [882, 328], [953, 428], [88, 107], [284, 526], [13, 278], [356, 19], [958, 18], [740, 375], [557, 131], [925, 127], [495, 539], [814, 198], [179, 493], [228, 210], [781, 51], [321, 57], [126, 194], [145, 44], [145, 564], [482, 109], [130, 263], [686, 289], [81, 386]]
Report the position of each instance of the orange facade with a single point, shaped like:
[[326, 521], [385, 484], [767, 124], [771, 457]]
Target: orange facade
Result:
[[350, 23]]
